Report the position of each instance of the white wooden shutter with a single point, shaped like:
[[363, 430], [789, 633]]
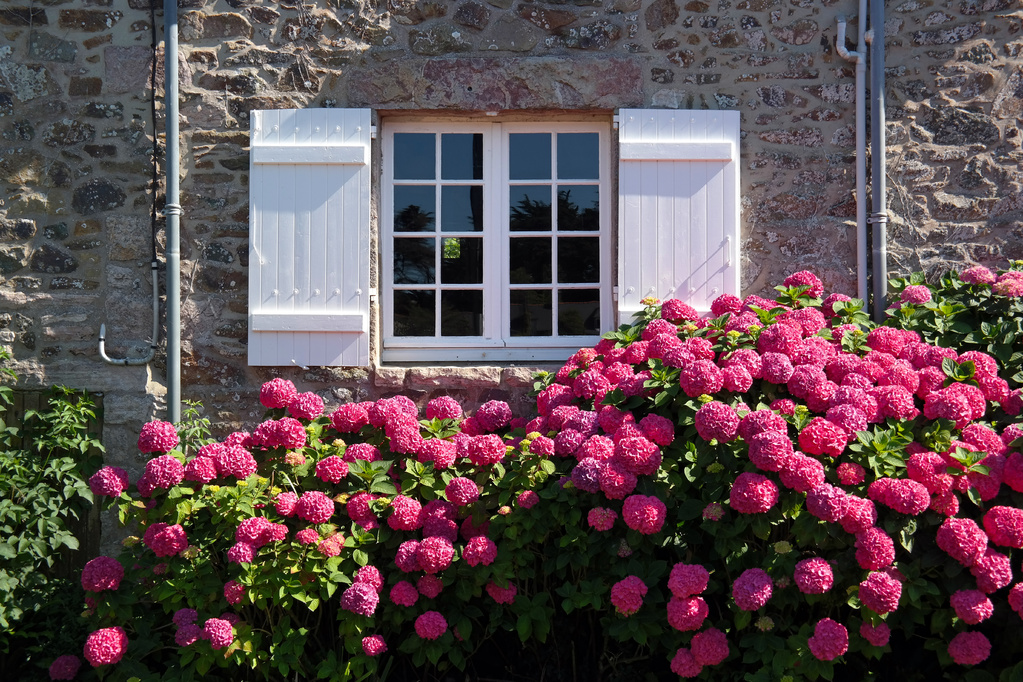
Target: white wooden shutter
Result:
[[678, 207], [309, 198]]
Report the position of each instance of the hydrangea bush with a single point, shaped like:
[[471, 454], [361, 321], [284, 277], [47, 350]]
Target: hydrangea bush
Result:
[[778, 491]]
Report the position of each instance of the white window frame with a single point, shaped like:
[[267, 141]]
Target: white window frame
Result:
[[496, 344]]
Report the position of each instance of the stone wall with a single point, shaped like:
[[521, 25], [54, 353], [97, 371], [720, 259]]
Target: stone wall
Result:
[[77, 150]]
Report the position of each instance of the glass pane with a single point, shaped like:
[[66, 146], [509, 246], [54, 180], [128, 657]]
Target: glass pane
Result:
[[578, 156], [529, 260], [529, 156], [413, 313], [579, 260], [461, 208], [530, 207], [579, 207], [461, 260], [414, 261], [531, 313], [415, 156], [578, 312], [461, 313], [414, 208], [461, 156]]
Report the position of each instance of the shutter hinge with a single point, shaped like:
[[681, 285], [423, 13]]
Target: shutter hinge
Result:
[[372, 132]]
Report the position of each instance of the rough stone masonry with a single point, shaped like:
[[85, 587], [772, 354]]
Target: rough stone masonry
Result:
[[76, 156]]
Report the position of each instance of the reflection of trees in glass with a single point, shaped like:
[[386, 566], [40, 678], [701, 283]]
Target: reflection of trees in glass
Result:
[[412, 218], [413, 261], [535, 215]]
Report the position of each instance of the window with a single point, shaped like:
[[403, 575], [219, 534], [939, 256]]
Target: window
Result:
[[495, 240]]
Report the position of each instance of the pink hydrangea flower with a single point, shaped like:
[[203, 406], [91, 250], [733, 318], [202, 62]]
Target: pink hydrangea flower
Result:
[[493, 415], [201, 469], [916, 294], [978, 274], [314, 507], [675, 310], [65, 667], [443, 407], [850, 473], [684, 663], [860, 514], [332, 545], [875, 549], [241, 553], [165, 471], [1009, 284], [350, 417], [435, 554], [802, 473], [1015, 598], [462, 491], [1004, 526], [752, 589], [184, 616], [486, 449], [616, 482], [285, 503], [822, 437], [638, 455], [406, 513], [827, 503], [716, 421], [808, 279], [429, 586], [709, 647], [479, 550], [830, 640], [814, 576], [753, 494], [713, 512], [431, 625], [234, 591], [277, 393], [404, 593], [373, 645], [876, 635], [102, 573], [962, 539], [644, 513], [158, 436], [331, 469], [105, 646], [627, 595], [219, 632], [687, 613], [502, 595], [188, 634], [601, 518], [972, 606], [527, 499], [771, 450], [370, 575], [108, 481], [164, 539], [307, 536], [686, 580], [969, 648], [880, 592], [992, 571], [700, 377], [361, 599]]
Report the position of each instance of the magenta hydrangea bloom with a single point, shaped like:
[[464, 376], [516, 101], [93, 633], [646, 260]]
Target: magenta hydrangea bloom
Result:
[[978, 274], [601, 518], [201, 469], [822, 437], [637, 455], [716, 421], [972, 606], [527, 499], [404, 593], [684, 663], [627, 595], [370, 575], [962, 539], [158, 436], [102, 573], [277, 393], [373, 645], [219, 632], [331, 469], [493, 415], [435, 553], [462, 491], [807, 279], [108, 481], [687, 613], [969, 648], [429, 586], [770, 450], [850, 473], [992, 570], [687, 580], [105, 646], [165, 471], [406, 513], [443, 407], [234, 591], [350, 417], [752, 493], [306, 406], [709, 647], [880, 592], [479, 550], [65, 667], [314, 507], [165, 540], [184, 616], [814, 576], [644, 513], [502, 595], [875, 549], [876, 635], [361, 599], [188, 634], [1004, 526], [830, 640], [332, 545], [431, 625], [752, 589]]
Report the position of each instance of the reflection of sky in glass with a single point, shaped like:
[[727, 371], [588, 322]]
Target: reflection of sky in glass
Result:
[[530, 207], [529, 156], [461, 208], [414, 208], [578, 207], [414, 156], [578, 156], [461, 156]]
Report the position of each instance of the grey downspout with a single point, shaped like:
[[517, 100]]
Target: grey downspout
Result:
[[859, 58], [879, 215], [173, 211]]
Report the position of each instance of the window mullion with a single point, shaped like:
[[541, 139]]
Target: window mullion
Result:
[[496, 235]]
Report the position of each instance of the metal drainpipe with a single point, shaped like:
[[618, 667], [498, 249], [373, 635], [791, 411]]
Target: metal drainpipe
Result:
[[859, 57], [173, 211], [879, 215]]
